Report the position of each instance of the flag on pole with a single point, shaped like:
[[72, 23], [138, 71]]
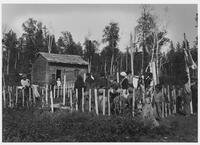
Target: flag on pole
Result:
[[189, 60]]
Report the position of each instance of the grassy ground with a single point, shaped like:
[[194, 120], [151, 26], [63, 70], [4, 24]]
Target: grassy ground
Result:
[[43, 126]]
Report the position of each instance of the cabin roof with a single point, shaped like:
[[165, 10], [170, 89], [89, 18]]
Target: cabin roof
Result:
[[63, 58]]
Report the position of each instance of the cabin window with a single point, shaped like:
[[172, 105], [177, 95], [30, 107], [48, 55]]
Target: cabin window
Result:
[[58, 74]]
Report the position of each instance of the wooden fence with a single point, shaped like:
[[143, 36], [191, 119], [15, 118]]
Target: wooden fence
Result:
[[65, 97]]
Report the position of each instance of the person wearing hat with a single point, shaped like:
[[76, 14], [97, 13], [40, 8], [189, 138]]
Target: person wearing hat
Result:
[[157, 99], [124, 84]]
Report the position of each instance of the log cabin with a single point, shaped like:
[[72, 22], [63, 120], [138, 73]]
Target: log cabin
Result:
[[48, 67]]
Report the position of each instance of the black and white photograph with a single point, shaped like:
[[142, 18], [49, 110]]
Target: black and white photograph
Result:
[[87, 72]]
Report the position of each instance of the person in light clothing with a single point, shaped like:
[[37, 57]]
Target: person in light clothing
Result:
[[157, 99]]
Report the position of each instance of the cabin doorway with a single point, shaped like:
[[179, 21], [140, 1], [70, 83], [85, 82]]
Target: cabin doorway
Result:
[[58, 74]]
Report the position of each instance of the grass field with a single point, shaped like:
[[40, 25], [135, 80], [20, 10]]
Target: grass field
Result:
[[61, 126]]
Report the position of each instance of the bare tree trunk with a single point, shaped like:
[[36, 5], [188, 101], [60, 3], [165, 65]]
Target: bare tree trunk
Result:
[[157, 67], [8, 62], [121, 63], [127, 59], [105, 67], [111, 64]]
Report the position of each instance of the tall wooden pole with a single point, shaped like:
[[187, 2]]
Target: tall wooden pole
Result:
[[96, 102], [127, 59], [188, 73], [71, 104], [83, 100], [104, 103], [64, 86], [90, 98], [51, 97], [16, 96], [46, 94], [109, 102], [76, 99]]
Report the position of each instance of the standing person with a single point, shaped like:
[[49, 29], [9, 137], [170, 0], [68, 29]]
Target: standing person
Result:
[[58, 85], [130, 78], [25, 82], [79, 84], [89, 81], [187, 96], [124, 84], [158, 100], [179, 101]]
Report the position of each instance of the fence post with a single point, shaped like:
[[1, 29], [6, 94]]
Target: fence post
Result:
[[23, 97], [96, 102], [16, 97], [169, 105], [58, 91], [46, 94], [109, 102], [10, 97], [54, 91], [174, 90], [70, 95], [51, 97], [42, 97], [90, 97], [64, 89], [4, 96], [117, 77], [133, 103], [163, 105], [82, 99], [104, 102], [76, 99]]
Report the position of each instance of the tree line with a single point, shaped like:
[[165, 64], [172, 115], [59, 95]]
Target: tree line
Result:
[[20, 53]]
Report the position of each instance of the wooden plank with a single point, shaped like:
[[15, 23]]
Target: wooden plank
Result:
[[90, 97], [163, 109], [169, 104], [133, 103], [46, 94], [42, 97], [64, 90], [117, 77], [163, 104], [23, 97], [83, 100], [51, 97], [174, 90], [70, 95], [4, 96], [58, 91], [54, 91], [96, 102], [10, 96], [29, 90], [76, 99], [104, 102], [109, 102], [16, 97]]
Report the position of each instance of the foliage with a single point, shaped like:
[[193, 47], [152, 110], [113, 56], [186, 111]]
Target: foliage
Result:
[[41, 126], [67, 45], [9, 52], [150, 38], [111, 37]]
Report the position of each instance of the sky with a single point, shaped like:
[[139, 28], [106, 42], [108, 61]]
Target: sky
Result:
[[89, 20]]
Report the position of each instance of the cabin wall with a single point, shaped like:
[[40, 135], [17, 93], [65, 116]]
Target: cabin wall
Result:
[[39, 71], [70, 72]]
